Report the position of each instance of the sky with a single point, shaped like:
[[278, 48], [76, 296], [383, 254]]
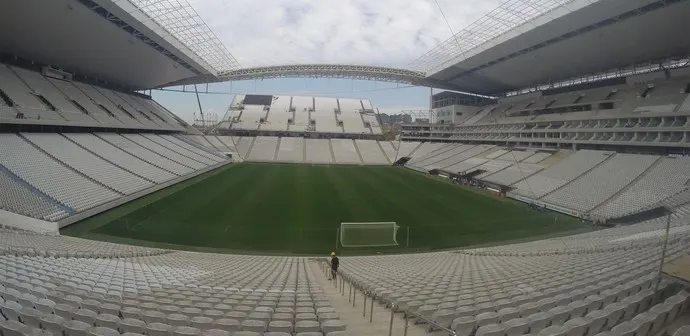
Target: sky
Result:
[[373, 32]]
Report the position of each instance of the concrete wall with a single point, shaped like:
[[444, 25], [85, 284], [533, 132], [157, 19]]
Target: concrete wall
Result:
[[27, 223]]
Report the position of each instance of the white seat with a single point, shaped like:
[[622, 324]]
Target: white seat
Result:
[[277, 333], [236, 315], [644, 323], [516, 327], [77, 328], [305, 317], [133, 325], [177, 320], [577, 308], [216, 332], [487, 318], [85, 315], [614, 313], [491, 330], [464, 325], [12, 328], [108, 321], [283, 317], [280, 326], [246, 333], [332, 325], [253, 325], [103, 331], [626, 328], [30, 317], [576, 326], [186, 331], [45, 305], [559, 315], [131, 312], [11, 310], [538, 321], [201, 322], [259, 316], [53, 323], [507, 314], [306, 326], [553, 331], [151, 316], [158, 329], [109, 308], [227, 324], [596, 320]]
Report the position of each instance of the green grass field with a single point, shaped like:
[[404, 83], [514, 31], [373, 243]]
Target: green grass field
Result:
[[274, 208]]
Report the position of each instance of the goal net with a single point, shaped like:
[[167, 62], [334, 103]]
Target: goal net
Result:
[[368, 234]]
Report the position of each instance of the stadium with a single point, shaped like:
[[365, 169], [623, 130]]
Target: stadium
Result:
[[545, 190]]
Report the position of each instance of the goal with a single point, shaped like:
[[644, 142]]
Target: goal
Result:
[[368, 234]]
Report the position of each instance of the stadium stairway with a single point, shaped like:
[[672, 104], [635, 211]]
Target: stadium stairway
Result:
[[251, 146], [359, 154], [304, 150], [384, 152], [330, 148], [275, 154], [352, 314]]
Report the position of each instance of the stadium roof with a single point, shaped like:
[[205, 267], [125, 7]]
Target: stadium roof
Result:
[[142, 44], [131, 43], [526, 43]]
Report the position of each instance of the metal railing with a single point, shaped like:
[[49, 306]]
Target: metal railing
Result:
[[342, 279]]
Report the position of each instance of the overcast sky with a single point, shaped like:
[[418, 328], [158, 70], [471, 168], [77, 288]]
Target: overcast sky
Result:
[[375, 32]]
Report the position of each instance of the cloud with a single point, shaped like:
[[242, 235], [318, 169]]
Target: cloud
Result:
[[374, 32]]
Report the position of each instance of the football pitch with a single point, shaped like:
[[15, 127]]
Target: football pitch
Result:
[[297, 209]]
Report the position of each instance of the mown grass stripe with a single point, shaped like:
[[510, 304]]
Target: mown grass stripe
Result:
[[297, 209]]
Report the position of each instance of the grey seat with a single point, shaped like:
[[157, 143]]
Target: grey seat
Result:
[[133, 325], [77, 328], [104, 331], [253, 325], [158, 329], [307, 325], [186, 331], [280, 326], [53, 323], [227, 324], [216, 332], [332, 325]]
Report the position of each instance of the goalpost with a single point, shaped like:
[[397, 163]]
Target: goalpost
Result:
[[368, 234]]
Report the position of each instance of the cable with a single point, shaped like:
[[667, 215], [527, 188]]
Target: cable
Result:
[[452, 33]]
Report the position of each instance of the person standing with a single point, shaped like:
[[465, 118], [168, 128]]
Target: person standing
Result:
[[334, 262]]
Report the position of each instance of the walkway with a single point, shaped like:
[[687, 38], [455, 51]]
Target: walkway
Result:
[[352, 316]]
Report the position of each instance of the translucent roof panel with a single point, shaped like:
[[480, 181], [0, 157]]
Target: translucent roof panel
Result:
[[507, 17], [181, 21]]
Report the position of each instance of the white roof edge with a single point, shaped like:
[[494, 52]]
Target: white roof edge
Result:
[[450, 51], [144, 22]]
